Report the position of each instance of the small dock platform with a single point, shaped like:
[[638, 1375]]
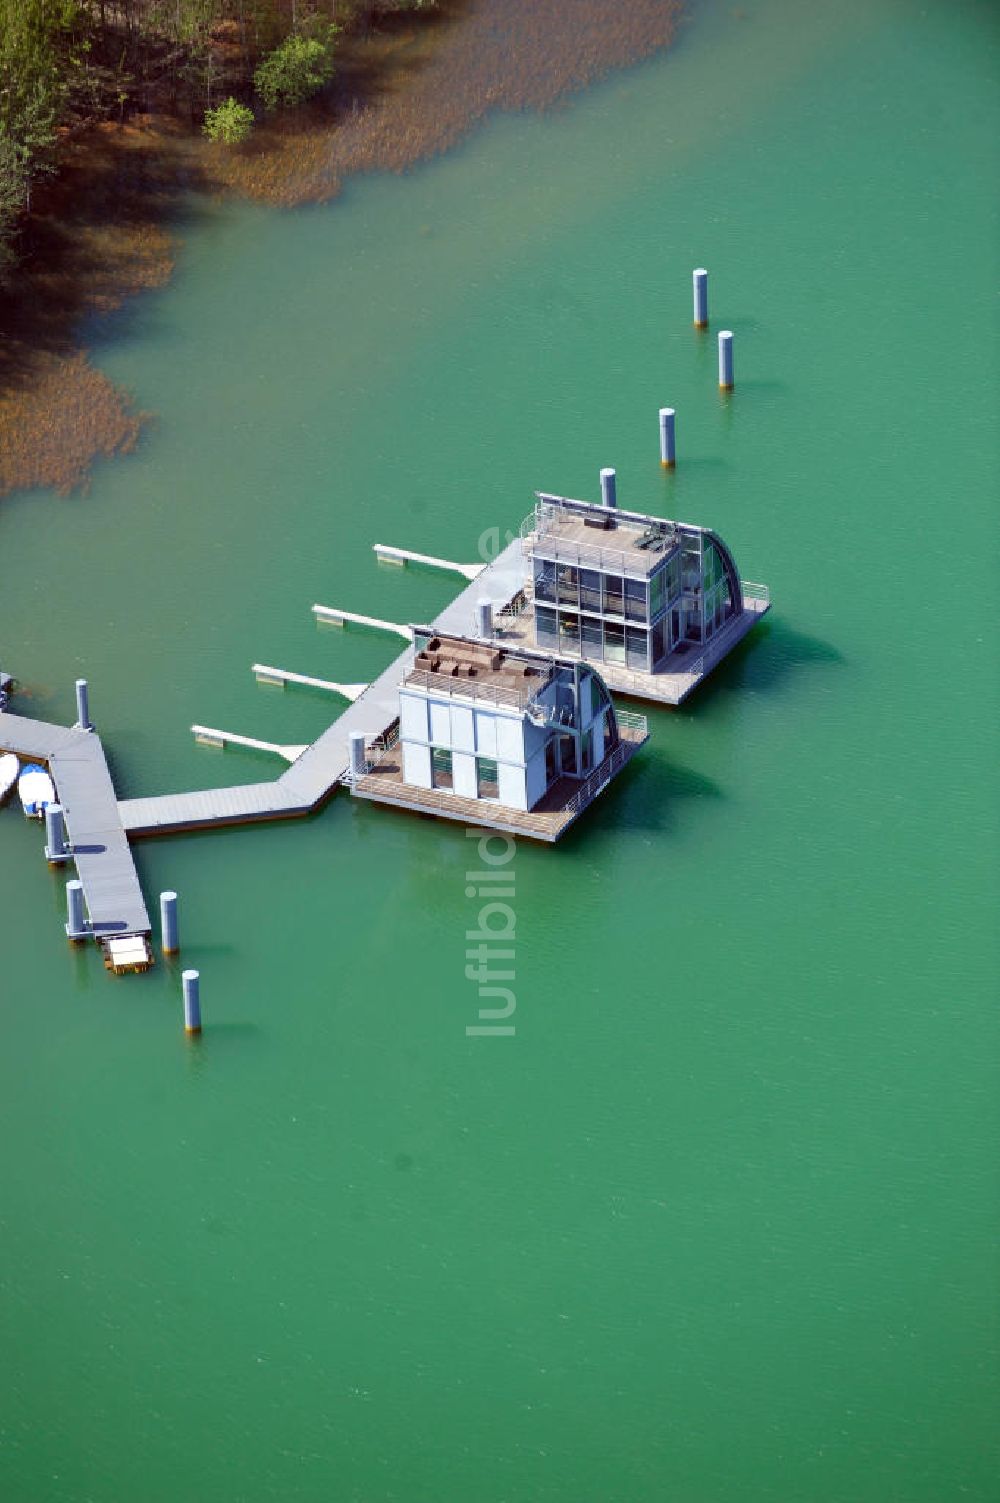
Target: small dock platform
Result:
[[78, 768]]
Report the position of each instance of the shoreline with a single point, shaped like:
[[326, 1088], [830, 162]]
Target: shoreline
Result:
[[102, 233]]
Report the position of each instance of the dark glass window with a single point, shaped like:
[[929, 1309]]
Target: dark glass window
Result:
[[441, 767], [614, 595], [487, 778], [545, 627], [569, 591], [635, 600], [657, 594], [591, 639], [637, 645], [567, 754], [590, 590], [545, 580], [614, 643], [569, 631]]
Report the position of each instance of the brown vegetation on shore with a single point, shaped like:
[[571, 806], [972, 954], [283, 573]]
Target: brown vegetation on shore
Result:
[[405, 91]]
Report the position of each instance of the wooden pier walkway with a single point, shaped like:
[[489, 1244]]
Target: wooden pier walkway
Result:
[[79, 770], [99, 825]]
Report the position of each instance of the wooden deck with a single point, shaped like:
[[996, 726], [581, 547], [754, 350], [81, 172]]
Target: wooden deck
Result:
[[562, 805]]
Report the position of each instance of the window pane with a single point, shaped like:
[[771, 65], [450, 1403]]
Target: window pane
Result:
[[635, 599], [440, 767], [614, 595], [487, 778], [657, 593], [545, 627], [568, 588], [590, 590], [614, 643], [637, 643], [569, 631], [592, 638], [545, 580]]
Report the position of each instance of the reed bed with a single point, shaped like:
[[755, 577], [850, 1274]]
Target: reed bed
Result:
[[405, 92]]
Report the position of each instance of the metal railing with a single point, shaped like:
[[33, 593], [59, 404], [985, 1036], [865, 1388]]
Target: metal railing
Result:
[[388, 738], [514, 607], [534, 532], [540, 713], [496, 694], [597, 781], [377, 749], [753, 591], [629, 721]]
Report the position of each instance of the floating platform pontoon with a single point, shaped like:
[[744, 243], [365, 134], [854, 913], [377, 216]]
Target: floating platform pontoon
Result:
[[78, 768]]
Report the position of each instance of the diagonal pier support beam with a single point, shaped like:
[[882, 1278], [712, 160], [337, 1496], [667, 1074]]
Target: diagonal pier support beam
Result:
[[404, 556], [209, 736], [264, 674], [329, 616]]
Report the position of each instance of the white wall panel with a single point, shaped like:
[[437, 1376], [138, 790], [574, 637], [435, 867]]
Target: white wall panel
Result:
[[462, 730], [413, 716], [510, 740], [440, 724], [463, 768], [416, 764], [486, 734], [512, 787], [536, 779]]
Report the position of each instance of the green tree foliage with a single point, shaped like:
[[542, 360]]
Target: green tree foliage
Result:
[[33, 38], [71, 61], [230, 122], [297, 69]]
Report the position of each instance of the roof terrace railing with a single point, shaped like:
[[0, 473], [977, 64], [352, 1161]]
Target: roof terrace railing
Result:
[[472, 688], [541, 527]]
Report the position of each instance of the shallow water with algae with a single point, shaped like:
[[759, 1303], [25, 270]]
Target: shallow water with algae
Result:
[[720, 1220]]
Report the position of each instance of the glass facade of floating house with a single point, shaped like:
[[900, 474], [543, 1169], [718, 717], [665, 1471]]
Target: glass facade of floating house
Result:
[[500, 726], [621, 588]]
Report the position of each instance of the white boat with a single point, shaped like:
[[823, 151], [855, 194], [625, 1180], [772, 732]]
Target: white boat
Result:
[[9, 769], [35, 790]]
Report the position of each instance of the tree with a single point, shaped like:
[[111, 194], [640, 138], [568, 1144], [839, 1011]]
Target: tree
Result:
[[230, 122], [297, 69], [32, 92]]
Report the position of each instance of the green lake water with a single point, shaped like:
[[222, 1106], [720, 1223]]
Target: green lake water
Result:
[[719, 1222]]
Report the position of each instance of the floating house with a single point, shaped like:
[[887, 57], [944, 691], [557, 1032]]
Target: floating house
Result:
[[510, 739], [653, 604]]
